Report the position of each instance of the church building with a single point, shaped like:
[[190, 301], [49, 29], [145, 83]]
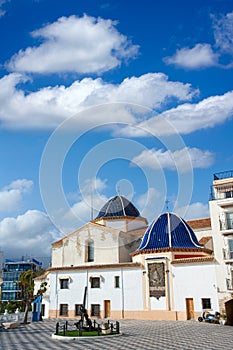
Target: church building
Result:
[[131, 270]]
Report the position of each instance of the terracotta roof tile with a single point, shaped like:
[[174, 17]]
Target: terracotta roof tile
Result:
[[204, 240], [199, 223]]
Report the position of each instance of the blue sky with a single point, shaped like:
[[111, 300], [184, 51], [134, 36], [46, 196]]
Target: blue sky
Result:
[[106, 97]]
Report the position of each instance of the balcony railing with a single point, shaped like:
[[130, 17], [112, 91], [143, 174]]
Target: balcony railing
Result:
[[229, 284], [226, 224], [227, 254], [10, 288], [214, 194], [223, 175]]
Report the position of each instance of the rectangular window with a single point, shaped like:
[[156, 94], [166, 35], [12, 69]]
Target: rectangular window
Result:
[[95, 282], [230, 244], [78, 309], [206, 303], [229, 217], [229, 194], [63, 310], [90, 251], [95, 310], [117, 281], [64, 283]]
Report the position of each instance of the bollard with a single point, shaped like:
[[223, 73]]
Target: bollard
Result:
[[80, 330], [17, 314], [66, 325], [117, 327], [57, 328]]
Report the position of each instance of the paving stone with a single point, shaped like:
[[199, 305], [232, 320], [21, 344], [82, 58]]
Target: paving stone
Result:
[[143, 335]]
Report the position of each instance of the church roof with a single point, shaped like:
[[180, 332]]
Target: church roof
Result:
[[118, 206], [169, 231]]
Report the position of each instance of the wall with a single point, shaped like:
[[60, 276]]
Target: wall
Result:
[[195, 281], [217, 209], [72, 249], [127, 297]]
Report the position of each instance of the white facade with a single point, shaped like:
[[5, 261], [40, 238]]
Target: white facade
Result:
[[119, 297], [205, 286], [103, 251], [221, 213]]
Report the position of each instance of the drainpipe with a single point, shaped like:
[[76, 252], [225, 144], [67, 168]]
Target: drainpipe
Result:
[[87, 284], [56, 296], [122, 296], [168, 285]]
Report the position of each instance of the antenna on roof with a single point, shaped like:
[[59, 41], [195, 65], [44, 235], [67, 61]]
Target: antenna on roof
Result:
[[92, 209], [167, 204], [118, 190]]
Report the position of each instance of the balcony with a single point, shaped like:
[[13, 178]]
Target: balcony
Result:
[[228, 256], [223, 175], [226, 224], [10, 288], [229, 283]]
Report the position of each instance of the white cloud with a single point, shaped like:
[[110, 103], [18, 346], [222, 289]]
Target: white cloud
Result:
[[11, 195], [149, 203], [196, 210], [89, 203], [2, 12], [49, 106], [178, 160], [187, 118], [200, 56], [72, 44], [29, 234], [223, 32]]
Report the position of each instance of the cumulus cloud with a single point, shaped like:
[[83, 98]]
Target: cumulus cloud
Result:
[[86, 207], [73, 44], [149, 203], [187, 118], [196, 210], [29, 234], [203, 55], [2, 12], [12, 194], [49, 106], [223, 32], [200, 56], [178, 160]]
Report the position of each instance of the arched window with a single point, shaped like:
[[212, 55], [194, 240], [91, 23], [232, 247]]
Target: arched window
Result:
[[90, 251]]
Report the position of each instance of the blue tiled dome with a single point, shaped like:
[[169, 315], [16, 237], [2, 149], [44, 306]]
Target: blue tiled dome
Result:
[[118, 206], [169, 231]]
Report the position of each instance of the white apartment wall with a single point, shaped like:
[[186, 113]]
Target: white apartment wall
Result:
[[217, 210], [195, 281]]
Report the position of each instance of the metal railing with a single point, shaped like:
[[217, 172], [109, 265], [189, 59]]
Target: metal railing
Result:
[[17, 316], [226, 224], [223, 175], [229, 284]]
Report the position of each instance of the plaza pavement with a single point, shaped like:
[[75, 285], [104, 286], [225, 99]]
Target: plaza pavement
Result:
[[141, 335]]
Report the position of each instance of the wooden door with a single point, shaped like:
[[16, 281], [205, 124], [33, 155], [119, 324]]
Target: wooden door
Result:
[[107, 308], [189, 308]]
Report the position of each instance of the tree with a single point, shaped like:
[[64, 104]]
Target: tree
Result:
[[26, 283]]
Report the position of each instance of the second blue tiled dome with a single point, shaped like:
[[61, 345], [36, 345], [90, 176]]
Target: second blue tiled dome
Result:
[[169, 231]]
